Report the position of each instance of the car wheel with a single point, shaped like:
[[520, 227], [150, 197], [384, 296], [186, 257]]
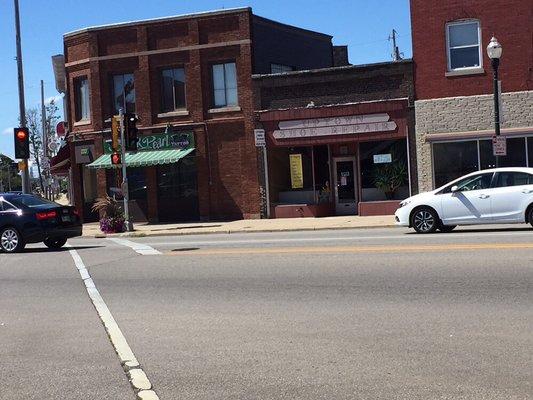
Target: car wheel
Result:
[[530, 218], [425, 220], [11, 241], [55, 243], [447, 228]]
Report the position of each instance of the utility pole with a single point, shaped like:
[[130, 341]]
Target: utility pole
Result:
[[125, 189], [26, 185], [396, 56], [45, 142]]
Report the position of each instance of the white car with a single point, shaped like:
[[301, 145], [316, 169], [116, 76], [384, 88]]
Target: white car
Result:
[[494, 196]]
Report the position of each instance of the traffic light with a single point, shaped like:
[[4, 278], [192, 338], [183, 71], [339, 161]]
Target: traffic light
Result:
[[115, 132], [116, 159], [131, 132], [22, 143]]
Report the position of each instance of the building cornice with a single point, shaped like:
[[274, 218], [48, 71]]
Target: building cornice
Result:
[[158, 20]]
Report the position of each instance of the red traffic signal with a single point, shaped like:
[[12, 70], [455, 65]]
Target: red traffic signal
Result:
[[22, 143], [116, 159], [22, 134]]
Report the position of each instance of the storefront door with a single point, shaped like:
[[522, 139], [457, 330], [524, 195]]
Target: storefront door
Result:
[[345, 186]]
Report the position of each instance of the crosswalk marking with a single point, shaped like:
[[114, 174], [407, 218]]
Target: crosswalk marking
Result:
[[142, 249]]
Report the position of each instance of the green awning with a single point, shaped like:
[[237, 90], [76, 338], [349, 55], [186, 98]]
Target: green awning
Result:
[[144, 158]]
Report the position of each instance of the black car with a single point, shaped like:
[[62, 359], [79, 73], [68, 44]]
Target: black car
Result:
[[26, 218]]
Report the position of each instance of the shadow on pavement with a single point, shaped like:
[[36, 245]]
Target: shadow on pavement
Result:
[[466, 229], [62, 249]]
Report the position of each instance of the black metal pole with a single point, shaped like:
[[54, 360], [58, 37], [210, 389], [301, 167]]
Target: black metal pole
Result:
[[26, 184], [495, 65]]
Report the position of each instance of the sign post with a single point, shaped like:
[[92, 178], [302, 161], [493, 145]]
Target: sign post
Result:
[[260, 141], [127, 223], [499, 146]]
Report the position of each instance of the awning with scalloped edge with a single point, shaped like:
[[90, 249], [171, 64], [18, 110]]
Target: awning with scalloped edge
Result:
[[144, 158]]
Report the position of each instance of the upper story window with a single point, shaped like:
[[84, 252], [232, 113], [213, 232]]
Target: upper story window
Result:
[[225, 85], [463, 44], [123, 93], [280, 68], [82, 99], [173, 89]]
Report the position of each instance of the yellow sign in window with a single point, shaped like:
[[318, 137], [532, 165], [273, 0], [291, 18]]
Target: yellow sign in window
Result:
[[297, 177]]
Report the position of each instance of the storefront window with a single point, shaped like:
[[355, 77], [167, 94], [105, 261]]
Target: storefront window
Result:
[[516, 154], [291, 175], [178, 190], [453, 160], [136, 183], [89, 185], [384, 172]]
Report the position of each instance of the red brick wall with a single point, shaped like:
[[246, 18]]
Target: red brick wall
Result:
[[511, 21], [226, 156]]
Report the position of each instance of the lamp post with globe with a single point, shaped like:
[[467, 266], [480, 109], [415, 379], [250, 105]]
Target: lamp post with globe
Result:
[[494, 51]]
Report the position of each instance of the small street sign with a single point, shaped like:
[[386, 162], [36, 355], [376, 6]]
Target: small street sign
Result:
[[60, 129], [499, 146], [260, 137]]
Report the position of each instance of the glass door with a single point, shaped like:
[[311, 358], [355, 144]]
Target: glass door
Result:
[[345, 186]]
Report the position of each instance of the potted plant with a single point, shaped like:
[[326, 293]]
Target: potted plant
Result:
[[111, 216], [389, 177]]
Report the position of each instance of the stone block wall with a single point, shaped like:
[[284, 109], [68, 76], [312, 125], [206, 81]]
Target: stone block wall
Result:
[[464, 114]]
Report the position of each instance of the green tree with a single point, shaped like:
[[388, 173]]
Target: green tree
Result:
[[9, 178], [37, 150]]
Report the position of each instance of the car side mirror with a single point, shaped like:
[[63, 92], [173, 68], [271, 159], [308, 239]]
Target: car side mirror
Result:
[[454, 189]]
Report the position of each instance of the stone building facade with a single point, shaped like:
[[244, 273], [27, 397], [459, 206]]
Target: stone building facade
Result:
[[454, 106]]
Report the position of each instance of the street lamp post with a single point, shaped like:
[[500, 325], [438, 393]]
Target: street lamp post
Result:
[[494, 51]]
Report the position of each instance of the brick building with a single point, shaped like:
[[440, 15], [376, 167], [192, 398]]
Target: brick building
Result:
[[453, 80], [335, 137], [189, 80]]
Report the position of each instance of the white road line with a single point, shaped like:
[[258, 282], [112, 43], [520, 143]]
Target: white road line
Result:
[[182, 241], [142, 249], [140, 383]]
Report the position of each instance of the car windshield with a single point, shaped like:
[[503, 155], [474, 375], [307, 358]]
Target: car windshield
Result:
[[30, 201]]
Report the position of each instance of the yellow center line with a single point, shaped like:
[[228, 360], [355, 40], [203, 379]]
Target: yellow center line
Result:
[[354, 249]]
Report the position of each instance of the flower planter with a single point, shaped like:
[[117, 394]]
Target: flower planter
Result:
[[112, 225]]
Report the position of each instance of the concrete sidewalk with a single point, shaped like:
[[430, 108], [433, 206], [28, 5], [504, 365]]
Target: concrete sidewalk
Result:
[[249, 225]]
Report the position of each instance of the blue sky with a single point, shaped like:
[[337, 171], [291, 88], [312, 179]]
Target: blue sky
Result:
[[364, 25]]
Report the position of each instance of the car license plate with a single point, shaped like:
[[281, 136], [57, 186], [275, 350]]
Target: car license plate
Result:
[[65, 218]]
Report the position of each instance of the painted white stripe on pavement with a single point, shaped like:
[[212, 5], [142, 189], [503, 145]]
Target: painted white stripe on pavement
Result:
[[142, 249], [125, 354], [183, 240]]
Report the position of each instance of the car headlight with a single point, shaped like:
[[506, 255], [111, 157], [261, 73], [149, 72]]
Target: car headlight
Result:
[[404, 203]]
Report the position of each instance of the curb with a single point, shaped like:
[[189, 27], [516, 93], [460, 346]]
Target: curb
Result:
[[235, 231]]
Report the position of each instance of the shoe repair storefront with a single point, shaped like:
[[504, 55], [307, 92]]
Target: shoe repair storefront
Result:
[[337, 160], [162, 177]]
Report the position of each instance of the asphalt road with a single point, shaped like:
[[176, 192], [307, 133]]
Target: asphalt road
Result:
[[362, 314]]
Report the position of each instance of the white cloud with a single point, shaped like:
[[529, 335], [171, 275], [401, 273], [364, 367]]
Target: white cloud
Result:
[[7, 131], [57, 99]]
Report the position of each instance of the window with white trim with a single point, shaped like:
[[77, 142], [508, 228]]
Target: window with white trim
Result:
[[82, 99], [225, 85], [173, 89], [463, 45]]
